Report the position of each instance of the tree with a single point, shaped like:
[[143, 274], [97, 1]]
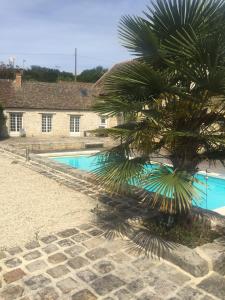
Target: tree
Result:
[[172, 97], [91, 75], [6, 71], [46, 74]]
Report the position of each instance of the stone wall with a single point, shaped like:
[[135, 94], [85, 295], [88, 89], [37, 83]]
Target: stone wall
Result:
[[32, 121]]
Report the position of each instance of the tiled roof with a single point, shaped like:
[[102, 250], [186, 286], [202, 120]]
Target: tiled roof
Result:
[[41, 95]]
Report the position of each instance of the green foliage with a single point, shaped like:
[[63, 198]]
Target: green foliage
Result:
[[91, 75], [7, 72], [46, 74], [191, 235], [172, 97]]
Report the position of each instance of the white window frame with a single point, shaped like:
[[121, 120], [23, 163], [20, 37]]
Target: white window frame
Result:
[[17, 118], [75, 125], [103, 124], [46, 123]]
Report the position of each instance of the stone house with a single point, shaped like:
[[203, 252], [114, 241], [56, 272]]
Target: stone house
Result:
[[39, 109]]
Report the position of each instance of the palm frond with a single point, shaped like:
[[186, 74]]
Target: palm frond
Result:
[[136, 35], [174, 191], [116, 169]]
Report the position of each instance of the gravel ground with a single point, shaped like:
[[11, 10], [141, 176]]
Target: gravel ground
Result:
[[33, 204]]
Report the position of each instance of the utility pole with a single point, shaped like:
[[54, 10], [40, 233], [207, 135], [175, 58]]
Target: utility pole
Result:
[[75, 65]]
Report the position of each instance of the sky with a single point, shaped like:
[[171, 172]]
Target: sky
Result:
[[46, 32]]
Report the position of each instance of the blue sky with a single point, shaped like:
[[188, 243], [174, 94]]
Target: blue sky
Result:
[[29, 27]]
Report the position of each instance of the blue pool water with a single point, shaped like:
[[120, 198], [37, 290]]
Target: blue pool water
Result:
[[215, 186]]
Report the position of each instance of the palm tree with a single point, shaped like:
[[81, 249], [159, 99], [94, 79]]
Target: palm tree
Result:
[[172, 98]]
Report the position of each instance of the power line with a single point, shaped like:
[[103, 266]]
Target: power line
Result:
[[54, 53]]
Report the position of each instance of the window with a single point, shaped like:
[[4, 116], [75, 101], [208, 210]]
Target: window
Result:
[[83, 92], [46, 123], [16, 121], [103, 122], [74, 123]]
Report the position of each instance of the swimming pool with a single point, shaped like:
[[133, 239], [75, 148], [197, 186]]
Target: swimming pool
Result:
[[214, 191]]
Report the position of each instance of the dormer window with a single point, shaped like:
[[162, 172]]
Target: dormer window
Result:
[[83, 92]]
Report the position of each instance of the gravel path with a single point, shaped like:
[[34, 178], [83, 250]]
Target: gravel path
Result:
[[33, 204]]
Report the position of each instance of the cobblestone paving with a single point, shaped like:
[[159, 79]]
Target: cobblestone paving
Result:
[[80, 264], [76, 264]]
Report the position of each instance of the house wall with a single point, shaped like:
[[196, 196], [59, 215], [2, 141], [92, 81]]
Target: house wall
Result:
[[32, 122]]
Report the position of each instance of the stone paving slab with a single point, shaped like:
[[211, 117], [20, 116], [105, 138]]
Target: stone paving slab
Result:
[[54, 270]]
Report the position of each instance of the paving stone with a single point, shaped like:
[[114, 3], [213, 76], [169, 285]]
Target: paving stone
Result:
[[136, 286], [128, 273], [94, 242], [189, 293], [149, 295], [12, 292], [14, 250], [214, 284], [87, 275], [47, 293], [75, 250], [57, 258], [124, 294], [36, 265], [2, 255], [68, 232], [95, 232], [77, 262], [97, 253], [85, 226], [168, 272], [49, 239], [32, 245], [145, 263], [215, 252], [67, 285], [188, 260], [159, 285], [37, 281], [65, 243], [58, 271], [114, 245], [104, 266], [106, 284], [84, 295], [120, 258], [13, 262], [80, 237], [13, 275], [206, 297], [50, 248], [32, 255]]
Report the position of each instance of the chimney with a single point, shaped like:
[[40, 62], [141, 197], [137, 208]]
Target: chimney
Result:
[[18, 80]]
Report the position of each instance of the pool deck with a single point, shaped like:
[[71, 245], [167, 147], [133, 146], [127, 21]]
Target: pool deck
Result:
[[76, 262]]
